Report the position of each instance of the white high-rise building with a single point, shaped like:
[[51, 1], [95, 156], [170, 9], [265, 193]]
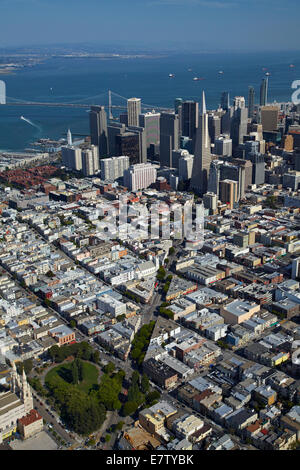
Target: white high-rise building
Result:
[[223, 146], [90, 161], [71, 157], [185, 165], [239, 102], [140, 176], [134, 109], [113, 168]]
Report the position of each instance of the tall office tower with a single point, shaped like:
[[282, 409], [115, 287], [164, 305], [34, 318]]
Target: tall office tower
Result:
[[123, 118], [141, 132], [291, 180], [71, 157], [134, 109], [113, 168], [264, 92], [2, 92], [169, 137], [239, 124], [239, 102], [225, 101], [250, 146], [178, 102], [69, 137], [229, 192], [214, 127], [247, 168], [203, 157], [98, 129], [229, 171], [214, 177], [139, 176], [226, 121], [95, 152], [128, 143], [150, 122], [269, 117], [258, 167], [176, 155], [185, 166], [223, 146], [114, 129], [189, 118], [210, 201], [251, 97], [88, 162]]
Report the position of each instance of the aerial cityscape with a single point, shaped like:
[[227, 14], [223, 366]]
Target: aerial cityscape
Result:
[[150, 253]]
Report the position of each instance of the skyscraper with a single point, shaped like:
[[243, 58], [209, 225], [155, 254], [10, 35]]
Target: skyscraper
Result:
[[225, 101], [214, 126], [239, 123], [214, 177], [185, 165], [239, 102], [98, 129], [150, 122], [178, 102], [251, 96], [113, 168], [71, 157], [229, 192], [169, 137], [134, 110], [269, 118], [202, 158], [189, 118], [90, 161], [264, 92], [223, 146]]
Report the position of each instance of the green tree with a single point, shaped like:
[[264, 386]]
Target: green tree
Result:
[[109, 368], [129, 408], [145, 383], [74, 373]]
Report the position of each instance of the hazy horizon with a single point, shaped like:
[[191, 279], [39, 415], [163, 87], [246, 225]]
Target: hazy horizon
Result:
[[204, 25]]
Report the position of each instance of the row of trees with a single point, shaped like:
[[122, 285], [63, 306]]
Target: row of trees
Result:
[[161, 274], [167, 284], [138, 394], [140, 343]]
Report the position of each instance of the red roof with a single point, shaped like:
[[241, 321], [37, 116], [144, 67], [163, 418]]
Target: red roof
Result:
[[30, 418]]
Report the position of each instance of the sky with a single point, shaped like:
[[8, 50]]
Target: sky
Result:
[[199, 25]]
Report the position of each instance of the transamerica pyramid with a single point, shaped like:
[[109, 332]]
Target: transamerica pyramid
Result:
[[202, 153]]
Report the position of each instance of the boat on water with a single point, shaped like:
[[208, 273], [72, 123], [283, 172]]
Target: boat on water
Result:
[[292, 66], [171, 75], [221, 72], [198, 78]]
